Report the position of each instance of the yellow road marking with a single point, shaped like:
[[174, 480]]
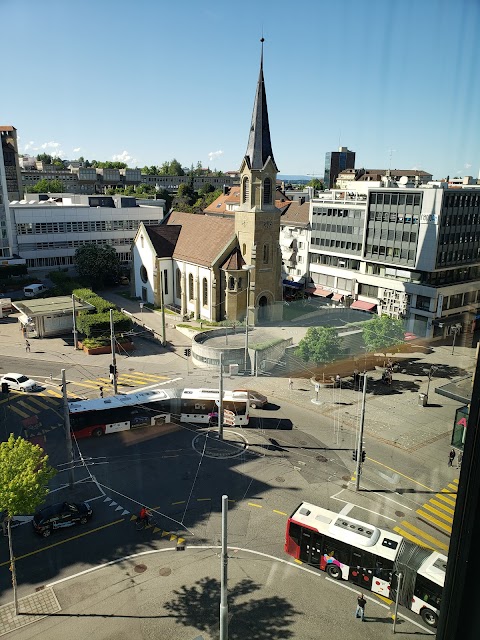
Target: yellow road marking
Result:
[[180, 540], [385, 599], [54, 393], [173, 537], [156, 530], [450, 493], [425, 535], [203, 499], [445, 499], [56, 544], [39, 403], [138, 374], [298, 561], [89, 385], [453, 487], [20, 412], [436, 522], [401, 474], [26, 406], [409, 536], [455, 480], [6, 400], [442, 506], [52, 401], [179, 502], [252, 504], [281, 513], [437, 512]]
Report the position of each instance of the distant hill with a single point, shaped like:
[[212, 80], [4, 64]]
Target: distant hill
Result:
[[297, 179]]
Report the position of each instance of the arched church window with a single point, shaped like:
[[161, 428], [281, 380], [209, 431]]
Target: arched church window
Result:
[[265, 253], [231, 283], [178, 283], [246, 189], [240, 284], [205, 292], [244, 249], [190, 286], [267, 191]]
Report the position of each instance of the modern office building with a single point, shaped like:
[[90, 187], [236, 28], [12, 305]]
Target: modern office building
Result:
[[8, 136], [336, 162], [48, 230], [409, 252]]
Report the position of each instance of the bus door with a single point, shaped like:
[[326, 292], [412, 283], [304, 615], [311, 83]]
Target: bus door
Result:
[[310, 548], [361, 569]]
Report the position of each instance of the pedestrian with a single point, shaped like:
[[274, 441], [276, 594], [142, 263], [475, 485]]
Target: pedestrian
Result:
[[451, 457], [290, 384], [459, 459], [27, 346], [360, 612], [101, 392], [337, 380], [356, 379]]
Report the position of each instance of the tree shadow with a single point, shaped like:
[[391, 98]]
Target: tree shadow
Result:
[[256, 619]]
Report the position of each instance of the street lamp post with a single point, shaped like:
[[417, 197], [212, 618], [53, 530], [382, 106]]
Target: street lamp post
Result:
[[430, 374], [247, 268], [455, 330], [141, 311]]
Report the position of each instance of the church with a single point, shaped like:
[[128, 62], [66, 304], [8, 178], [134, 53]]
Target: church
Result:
[[221, 268]]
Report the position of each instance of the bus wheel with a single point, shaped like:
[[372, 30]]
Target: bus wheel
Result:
[[334, 571], [429, 617], [97, 432]]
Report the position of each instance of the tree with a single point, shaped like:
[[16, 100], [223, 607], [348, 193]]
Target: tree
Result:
[[58, 162], [382, 332], [97, 264], [44, 157], [320, 345], [163, 194], [24, 477], [47, 186], [187, 193], [317, 184]]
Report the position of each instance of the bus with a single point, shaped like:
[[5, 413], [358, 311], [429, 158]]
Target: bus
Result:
[[112, 414], [372, 558]]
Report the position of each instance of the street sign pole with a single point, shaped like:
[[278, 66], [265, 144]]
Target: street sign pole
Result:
[[224, 574], [360, 435], [220, 399]]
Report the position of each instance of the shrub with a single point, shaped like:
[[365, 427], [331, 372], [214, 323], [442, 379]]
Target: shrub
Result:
[[87, 295], [96, 325]]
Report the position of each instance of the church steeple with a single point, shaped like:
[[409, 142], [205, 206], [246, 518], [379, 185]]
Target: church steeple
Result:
[[259, 147]]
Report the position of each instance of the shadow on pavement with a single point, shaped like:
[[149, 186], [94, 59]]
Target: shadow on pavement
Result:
[[279, 424]]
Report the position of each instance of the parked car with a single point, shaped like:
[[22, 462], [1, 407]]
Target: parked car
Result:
[[61, 515], [257, 400], [34, 290], [19, 382]]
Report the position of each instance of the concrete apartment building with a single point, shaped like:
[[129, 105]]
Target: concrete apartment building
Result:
[[46, 231], [409, 252]]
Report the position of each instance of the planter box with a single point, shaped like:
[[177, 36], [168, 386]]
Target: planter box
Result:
[[95, 351]]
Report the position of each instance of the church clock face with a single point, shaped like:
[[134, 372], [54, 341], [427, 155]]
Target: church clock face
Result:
[[267, 224]]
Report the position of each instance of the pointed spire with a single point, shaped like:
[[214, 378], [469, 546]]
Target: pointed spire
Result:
[[259, 147]]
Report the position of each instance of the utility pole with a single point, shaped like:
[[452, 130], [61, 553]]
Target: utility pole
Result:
[[68, 433], [162, 302], [360, 435], [114, 360], [224, 574], [74, 323], [397, 598], [220, 399]]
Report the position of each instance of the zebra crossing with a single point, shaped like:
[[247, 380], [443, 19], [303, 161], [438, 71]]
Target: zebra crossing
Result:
[[437, 513], [26, 406], [129, 379]]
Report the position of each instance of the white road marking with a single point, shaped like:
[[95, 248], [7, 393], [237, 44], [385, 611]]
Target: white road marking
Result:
[[152, 386], [349, 505], [347, 508], [391, 500]]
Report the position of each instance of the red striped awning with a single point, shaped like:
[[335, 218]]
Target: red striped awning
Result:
[[318, 291], [363, 306]]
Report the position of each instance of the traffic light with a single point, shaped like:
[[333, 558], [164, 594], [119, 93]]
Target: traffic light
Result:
[[187, 352], [364, 454], [5, 388], [354, 455], [113, 369]]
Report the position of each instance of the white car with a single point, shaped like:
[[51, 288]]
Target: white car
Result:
[[19, 382]]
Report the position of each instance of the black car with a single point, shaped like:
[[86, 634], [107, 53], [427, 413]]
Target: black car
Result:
[[58, 516]]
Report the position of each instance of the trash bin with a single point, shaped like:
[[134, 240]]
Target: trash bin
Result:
[[422, 399]]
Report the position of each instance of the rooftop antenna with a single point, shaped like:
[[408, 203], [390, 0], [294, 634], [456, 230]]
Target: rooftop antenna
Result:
[[390, 152]]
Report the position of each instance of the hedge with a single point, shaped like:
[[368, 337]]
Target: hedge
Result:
[[94, 325], [87, 295]]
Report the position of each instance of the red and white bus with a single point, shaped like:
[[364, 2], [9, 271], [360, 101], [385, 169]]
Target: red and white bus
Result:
[[370, 557], [154, 406]]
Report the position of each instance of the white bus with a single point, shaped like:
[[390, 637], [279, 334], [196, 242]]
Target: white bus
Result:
[[153, 406], [370, 557]]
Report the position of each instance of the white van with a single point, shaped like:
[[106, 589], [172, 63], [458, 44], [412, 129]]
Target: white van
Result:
[[34, 290]]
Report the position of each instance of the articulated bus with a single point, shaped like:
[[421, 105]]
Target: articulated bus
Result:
[[154, 406], [371, 558]]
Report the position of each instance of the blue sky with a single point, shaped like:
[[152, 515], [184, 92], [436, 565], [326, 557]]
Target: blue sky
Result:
[[151, 80]]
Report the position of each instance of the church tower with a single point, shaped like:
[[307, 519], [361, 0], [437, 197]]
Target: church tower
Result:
[[257, 221]]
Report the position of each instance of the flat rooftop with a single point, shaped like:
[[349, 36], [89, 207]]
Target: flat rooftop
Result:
[[46, 306]]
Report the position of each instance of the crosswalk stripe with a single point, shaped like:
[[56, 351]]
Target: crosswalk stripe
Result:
[[28, 407], [434, 521], [88, 384], [54, 393], [455, 480], [425, 535], [443, 497], [438, 513], [6, 400], [39, 403], [151, 376], [442, 506], [453, 487], [409, 536], [19, 411], [52, 401]]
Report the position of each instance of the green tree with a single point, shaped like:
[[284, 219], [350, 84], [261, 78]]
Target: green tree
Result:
[[163, 194], [44, 157], [24, 477], [175, 168], [320, 345], [317, 184], [47, 186], [382, 332], [187, 193], [97, 264], [58, 162], [207, 188]]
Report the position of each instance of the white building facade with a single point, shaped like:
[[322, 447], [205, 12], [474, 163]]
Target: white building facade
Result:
[[411, 253]]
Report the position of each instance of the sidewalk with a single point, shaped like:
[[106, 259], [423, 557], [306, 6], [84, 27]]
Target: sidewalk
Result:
[[176, 595]]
